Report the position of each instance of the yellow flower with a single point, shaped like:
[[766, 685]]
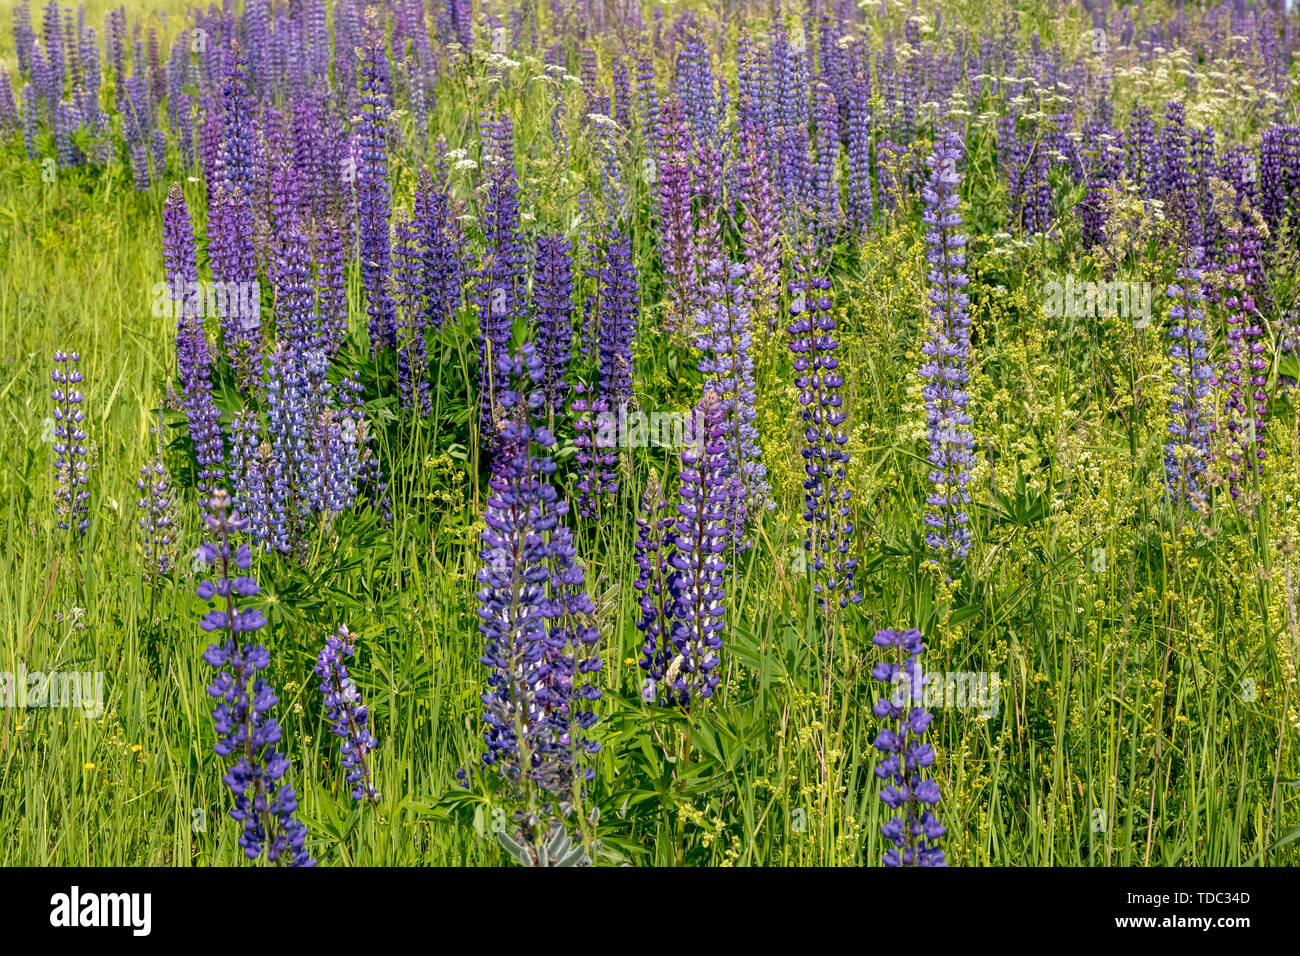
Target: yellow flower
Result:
[[630, 661], [89, 766], [136, 748]]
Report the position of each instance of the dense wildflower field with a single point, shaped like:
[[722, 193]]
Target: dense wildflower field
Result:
[[457, 432]]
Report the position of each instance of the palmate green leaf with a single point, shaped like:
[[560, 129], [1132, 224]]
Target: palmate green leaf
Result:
[[1287, 366]]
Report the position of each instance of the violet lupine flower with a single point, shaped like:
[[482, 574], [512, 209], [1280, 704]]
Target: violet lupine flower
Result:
[[71, 468], [374, 201], [245, 730], [612, 189], [1205, 165], [824, 189], [287, 204], [1279, 176], [140, 166], [42, 82], [156, 521], [255, 472], [910, 790], [1176, 185], [192, 353], [826, 509], [945, 350], [695, 86], [1037, 192], [178, 101], [443, 269], [412, 346], [699, 562], [707, 241], [295, 298], [789, 68], [1190, 413], [622, 96], [348, 717], [728, 369], [1100, 169], [653, 554], [1141, 156], [1247, 399], [234, 263], [619, 304], [673, 213], [52, 31], [648, 102], [292, 398], [759, 230], [553, 313], [212, 145], [501, 275], [331, 289], [535, 616], [66, 122], [158, 151], [257, 29], [309, 152], [237, 123], [753, 100], [24, 36], [861, 202], [598, 476], [31, 123]]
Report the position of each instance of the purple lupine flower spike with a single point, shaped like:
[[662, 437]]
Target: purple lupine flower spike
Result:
[[374, 200], [653, 554], [861, 202], [237, 123], [553, 313], [598, 477], [699, 562], [348, 717], [331, 288], [728, 368], [245, 729], [192, 352], [71, 466], [1246, 369], [825, 187], [945, 350], [619, 305], [826, 512], [412, 346], [156, 516], [759, 230], [443, 269], [535, 616], [910, 790], [1187, 453], [501, 276], [673, 213]]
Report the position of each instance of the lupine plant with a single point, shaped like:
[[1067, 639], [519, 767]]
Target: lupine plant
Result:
[[247, 735], [909, 790], [946, 349], [348, 717], [538, 642], [71, 464]]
